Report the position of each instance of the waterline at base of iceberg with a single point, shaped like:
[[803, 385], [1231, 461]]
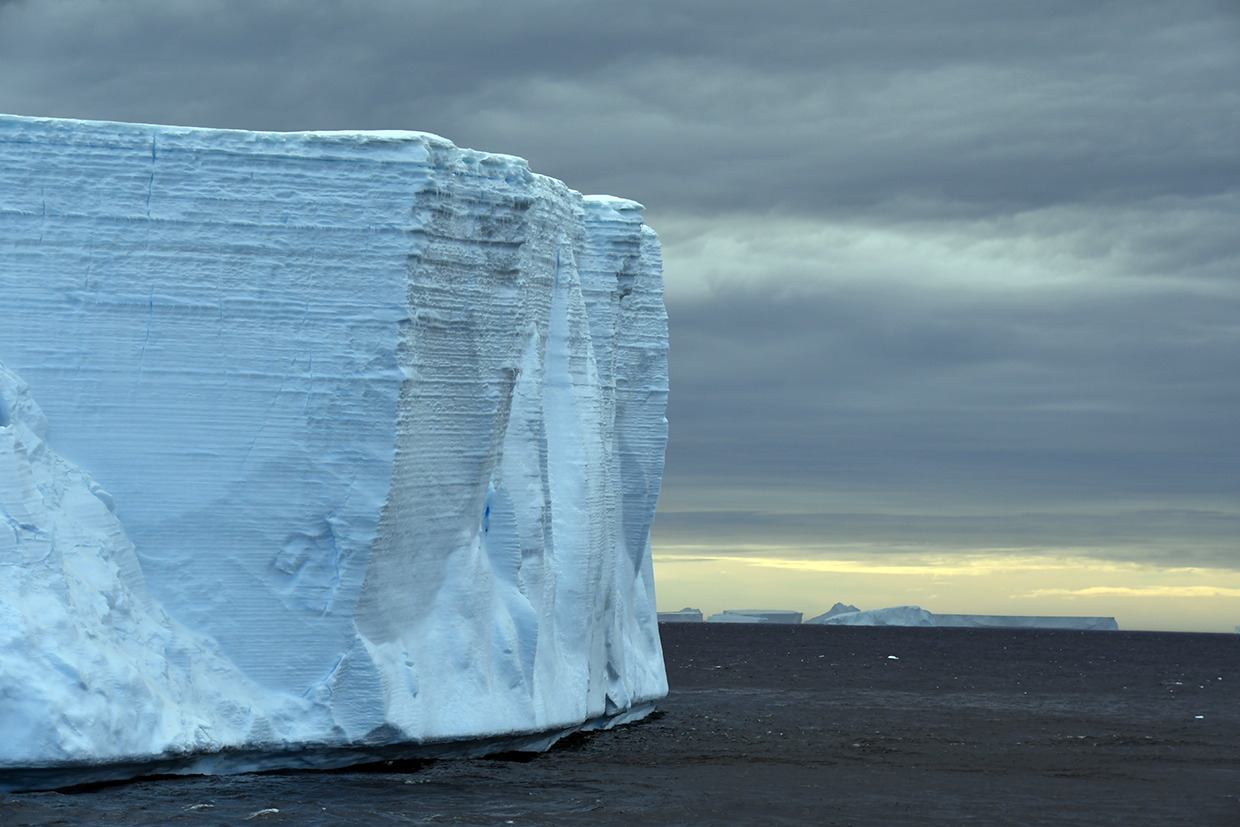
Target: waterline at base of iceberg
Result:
[[309, 758]]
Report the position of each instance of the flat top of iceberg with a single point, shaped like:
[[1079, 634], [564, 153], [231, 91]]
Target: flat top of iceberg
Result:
[[615, 202], [400, 142]]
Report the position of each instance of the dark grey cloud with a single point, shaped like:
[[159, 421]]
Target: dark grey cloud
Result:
[[974, 261], [1104, 415], [878, 371], [969, 106], [1165, 537]]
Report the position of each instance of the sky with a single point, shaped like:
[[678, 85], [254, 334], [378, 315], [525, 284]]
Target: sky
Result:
[[953, 286]]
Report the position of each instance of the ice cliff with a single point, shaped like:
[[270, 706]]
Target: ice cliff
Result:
[[383, 419], [90, 665]]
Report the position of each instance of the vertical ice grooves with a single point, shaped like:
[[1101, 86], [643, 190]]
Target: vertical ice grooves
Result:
[[383, 417]]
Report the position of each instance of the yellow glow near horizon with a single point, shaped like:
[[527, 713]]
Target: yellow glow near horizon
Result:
[[1024, 583]]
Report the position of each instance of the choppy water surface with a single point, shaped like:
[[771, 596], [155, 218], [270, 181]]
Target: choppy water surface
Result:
[[798, 725]]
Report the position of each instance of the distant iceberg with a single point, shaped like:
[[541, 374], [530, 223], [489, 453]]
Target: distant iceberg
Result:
[[685, 615], [894, 616], [1103, 624], [382, 419], [755, 616], [837, 609], [917, 616]]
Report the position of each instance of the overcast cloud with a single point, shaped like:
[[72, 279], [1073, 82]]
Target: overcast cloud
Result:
[[961, 273]]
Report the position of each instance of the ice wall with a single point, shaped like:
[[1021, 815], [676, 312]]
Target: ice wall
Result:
[[382, 417]]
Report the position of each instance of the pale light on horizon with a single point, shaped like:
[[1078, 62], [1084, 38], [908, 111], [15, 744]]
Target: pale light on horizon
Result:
[[1138, 596]]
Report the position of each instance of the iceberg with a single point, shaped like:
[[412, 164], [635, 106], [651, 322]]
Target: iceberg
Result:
[[894, 616], [837, 609], [917, 616], [358, 438], [1095, 624], [755, 616], [685, 615]]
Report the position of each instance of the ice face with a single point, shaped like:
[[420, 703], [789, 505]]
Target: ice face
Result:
[[90, 665], [382, 417]]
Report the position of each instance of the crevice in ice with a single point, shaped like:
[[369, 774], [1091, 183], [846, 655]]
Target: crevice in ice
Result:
[[334, 586], [90, 262], [150, 322], [271, 406], [150, 184]]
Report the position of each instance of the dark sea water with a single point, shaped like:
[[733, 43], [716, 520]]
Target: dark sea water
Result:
[[806, 725]]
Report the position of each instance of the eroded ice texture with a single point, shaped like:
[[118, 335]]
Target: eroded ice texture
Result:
[[90, 665], [382, 417]]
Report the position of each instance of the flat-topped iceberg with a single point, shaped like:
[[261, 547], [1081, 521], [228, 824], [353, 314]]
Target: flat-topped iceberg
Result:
[[90, 665], [917, 616], [382, 420], [685, 615], [755, 616], [893, 616]]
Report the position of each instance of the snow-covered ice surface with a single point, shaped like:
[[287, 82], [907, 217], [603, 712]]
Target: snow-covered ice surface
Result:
[[382, 417]]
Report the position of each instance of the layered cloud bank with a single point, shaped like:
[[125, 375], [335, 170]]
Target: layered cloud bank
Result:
[[383, 418]]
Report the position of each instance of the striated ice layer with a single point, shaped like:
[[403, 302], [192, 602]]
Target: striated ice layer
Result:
[[382, 417]]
